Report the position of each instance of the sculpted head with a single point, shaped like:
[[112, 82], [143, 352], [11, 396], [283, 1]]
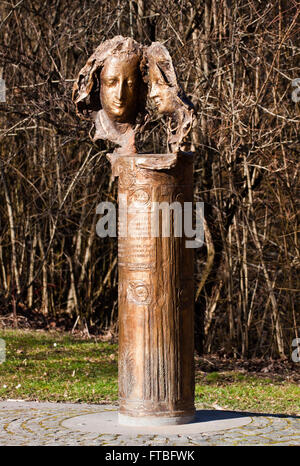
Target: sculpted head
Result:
[[160, 91], [112, 80], [168, 96], [162, 79], [110, 89], [120, 82]]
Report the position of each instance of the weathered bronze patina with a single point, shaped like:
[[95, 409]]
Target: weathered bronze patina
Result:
[[156, 298]]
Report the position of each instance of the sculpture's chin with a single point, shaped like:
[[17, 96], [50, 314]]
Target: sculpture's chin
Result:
[[120, 117], [116, 114], [121, 114], [165, 110]]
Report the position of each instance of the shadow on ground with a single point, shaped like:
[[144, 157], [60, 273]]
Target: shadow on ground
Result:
[[206, 415]]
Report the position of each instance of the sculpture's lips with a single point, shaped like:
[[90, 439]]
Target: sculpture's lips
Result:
[[118, 104]]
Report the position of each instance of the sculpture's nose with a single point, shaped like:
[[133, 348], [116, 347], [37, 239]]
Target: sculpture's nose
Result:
[[120, 90], [153, 90]]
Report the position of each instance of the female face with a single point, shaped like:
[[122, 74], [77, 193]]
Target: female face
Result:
[[160, 91], [119, 92]]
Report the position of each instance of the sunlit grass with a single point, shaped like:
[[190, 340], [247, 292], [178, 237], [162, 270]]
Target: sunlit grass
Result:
[[59, 367], [56, 367], [247, 392]]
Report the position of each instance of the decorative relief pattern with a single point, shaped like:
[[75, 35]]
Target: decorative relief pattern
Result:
[[179, 198], [140, 197], [126, 179], [126, 373], [138, 292]]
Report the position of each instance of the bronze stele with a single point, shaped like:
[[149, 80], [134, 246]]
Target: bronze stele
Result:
[[156, 295]]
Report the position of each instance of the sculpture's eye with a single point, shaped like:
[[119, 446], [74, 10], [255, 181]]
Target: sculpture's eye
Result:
[[111, 81], [158, 82], [161, 82]]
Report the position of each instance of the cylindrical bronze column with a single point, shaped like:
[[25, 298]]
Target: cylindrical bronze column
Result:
[[156, 296]]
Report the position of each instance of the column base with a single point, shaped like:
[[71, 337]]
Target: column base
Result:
[[154, 420]]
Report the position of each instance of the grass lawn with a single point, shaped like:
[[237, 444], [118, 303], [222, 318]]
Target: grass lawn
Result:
[[60, 367]]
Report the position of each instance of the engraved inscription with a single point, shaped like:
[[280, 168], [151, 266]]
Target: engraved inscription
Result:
[[139, 224], [137, 255], [134, 222], [136, 247]]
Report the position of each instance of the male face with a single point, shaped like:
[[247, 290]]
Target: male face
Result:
[[120, 83]]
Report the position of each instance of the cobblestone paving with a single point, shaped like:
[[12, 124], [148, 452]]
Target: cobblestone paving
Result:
[[34, 423]]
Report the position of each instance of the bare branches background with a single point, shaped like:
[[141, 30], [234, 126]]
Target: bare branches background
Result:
[[236, 61]]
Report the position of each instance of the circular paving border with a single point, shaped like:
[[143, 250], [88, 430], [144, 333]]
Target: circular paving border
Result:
[[205, 421], [43, 423]]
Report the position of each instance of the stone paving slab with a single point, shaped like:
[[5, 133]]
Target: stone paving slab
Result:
[[203, 422], [37, 423]]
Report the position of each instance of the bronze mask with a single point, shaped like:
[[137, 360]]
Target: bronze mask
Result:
[[120, 83], [161, 92]]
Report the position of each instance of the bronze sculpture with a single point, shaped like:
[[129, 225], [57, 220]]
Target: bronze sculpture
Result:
[[168, 95], [110, 91], [156, 368]]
